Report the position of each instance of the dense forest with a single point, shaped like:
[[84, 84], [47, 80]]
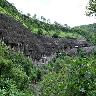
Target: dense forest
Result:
[[71, 71]]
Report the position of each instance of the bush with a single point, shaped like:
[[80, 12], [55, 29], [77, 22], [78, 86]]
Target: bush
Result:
[[76, 77], [16, 73], [55, 35], [40, 31]]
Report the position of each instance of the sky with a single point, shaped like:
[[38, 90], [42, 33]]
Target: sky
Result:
[[71, 12]]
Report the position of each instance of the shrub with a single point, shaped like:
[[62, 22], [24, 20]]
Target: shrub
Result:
[[16, 73], [76, 77], [55, 35], [40, 31]]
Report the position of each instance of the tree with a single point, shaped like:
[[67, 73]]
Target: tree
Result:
[[48, 21], [28, 14], [43, 19], [34, 17], [40, 31], [55, 35], [91, 8]]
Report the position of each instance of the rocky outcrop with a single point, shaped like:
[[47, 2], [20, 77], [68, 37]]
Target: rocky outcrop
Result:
[[82, 50], [40, 48]]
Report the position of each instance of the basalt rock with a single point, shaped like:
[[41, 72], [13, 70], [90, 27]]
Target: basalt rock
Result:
[[37, 47]]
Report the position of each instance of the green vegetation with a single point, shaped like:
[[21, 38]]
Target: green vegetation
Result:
[[70, 76], [63, 76], [87, 31], [35, 25], [16, 73], [44, 27], [91, 8]]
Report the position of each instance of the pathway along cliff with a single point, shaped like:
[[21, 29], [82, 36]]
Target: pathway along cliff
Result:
[[41, 49]]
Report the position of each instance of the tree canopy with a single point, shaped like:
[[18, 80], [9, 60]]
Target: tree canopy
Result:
[[91, 8]]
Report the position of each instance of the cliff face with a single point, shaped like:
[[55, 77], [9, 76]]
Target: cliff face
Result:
[[37, 47]]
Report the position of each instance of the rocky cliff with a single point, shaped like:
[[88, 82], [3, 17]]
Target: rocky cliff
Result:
[[40, 48]]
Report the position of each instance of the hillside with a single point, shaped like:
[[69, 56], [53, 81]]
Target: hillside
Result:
[[35, 25], [35, 46], [42, 59], [88, 31], [89, 28]]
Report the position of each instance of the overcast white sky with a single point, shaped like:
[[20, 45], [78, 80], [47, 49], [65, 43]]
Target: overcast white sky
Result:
[[71, 12]]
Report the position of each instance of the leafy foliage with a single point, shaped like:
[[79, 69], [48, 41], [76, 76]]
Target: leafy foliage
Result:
[[87, 31], [91, 8], [64, 76], [76, 77], [16, 73]]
